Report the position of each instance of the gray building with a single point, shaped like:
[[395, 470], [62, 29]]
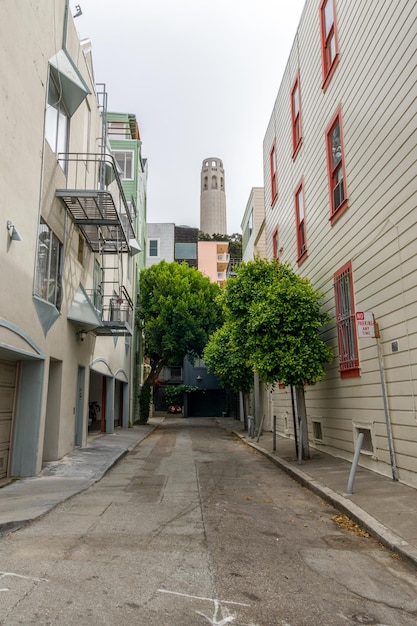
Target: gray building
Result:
[[168, 242]]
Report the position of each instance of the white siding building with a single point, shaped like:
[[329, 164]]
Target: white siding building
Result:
[[340, 177], [253, 226], [66, 308]]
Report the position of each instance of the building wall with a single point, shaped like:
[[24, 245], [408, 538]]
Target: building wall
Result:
[[186, 245], [253, 226], [50, 413], [373, 88], [164, 234], [213, 260]]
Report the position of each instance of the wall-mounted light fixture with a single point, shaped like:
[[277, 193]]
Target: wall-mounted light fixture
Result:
[[79, 11], [13, 232], [81, 335], [199, 379]]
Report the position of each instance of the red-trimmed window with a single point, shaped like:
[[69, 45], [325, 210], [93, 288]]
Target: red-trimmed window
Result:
[[273, 167], [346, 323], [275, 244], [300, 222], [336, 168], [296, 117], [329, 44]]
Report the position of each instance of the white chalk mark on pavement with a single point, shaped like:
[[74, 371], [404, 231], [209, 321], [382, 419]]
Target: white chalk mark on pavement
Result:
[[216, 619], [36, 580]]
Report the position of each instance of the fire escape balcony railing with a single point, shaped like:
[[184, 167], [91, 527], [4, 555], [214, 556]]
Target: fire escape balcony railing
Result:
[[96, 202], [115, 311]]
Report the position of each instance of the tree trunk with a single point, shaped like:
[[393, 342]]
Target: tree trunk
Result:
[[145, 393], [302, 416]]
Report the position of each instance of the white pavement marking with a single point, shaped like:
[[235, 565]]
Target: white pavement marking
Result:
[[215, 620], [36, 580]]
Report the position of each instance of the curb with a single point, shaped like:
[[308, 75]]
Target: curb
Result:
[[384, 535]]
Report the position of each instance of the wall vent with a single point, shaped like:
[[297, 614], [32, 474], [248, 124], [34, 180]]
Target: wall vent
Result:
[[367, 445], [317, 430]]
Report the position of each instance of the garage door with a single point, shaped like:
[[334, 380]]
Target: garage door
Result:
[[7, 390]]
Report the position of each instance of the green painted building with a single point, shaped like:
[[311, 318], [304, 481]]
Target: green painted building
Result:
[[126, 147]]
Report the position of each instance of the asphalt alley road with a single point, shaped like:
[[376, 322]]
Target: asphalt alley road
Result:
[[195, 528]]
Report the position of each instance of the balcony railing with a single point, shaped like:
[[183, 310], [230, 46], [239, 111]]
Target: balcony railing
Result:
[[96, 202], [116, 312]]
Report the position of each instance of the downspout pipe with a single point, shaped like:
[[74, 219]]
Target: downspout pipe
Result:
[[64, 34]]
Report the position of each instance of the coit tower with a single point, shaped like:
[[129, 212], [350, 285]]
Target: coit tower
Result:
[[213, 197]]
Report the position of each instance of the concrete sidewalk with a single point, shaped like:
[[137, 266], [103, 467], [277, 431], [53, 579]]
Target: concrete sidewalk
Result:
[[386, 509], [24, 500]]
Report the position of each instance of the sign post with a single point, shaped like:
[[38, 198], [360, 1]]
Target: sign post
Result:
[[366, 326]]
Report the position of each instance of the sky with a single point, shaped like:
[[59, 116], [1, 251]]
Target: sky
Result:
[[201, 78]]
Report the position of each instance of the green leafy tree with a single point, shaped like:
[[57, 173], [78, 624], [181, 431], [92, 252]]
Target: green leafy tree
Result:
[[278, 318], [174, 394], [178, 309], [225, 358]]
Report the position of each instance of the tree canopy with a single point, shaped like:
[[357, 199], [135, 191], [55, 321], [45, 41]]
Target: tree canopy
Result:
[[177, 309], [273, 321], [277, 319], [224, 357]]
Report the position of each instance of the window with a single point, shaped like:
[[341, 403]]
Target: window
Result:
[[125, 160], [329, 45], [250, 223], [275, 244], [205, 185], [336, 168], [214, 182], [296, 117], [48, 275], [56, 120], [184, 250], [153, 246], [248, 229], [346, 324], [300, 224], [273, 168]]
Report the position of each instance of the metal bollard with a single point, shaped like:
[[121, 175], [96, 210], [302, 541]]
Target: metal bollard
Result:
[[251, 426], [358, 447]]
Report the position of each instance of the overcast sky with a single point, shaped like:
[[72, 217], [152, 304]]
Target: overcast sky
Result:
[[201, 78]]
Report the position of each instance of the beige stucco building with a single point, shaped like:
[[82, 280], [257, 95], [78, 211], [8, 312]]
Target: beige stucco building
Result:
[[67, 253], [340, 179]]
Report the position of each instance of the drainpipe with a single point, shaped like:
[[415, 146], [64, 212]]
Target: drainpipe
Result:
[[64, 34]]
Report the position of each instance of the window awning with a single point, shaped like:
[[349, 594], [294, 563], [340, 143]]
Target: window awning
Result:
[[134, 246], [68, 78]]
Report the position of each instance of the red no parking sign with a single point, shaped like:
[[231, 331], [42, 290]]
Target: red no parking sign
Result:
[[365, 324]]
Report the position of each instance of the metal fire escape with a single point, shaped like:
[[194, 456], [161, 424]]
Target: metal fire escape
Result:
[[95, 200]]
